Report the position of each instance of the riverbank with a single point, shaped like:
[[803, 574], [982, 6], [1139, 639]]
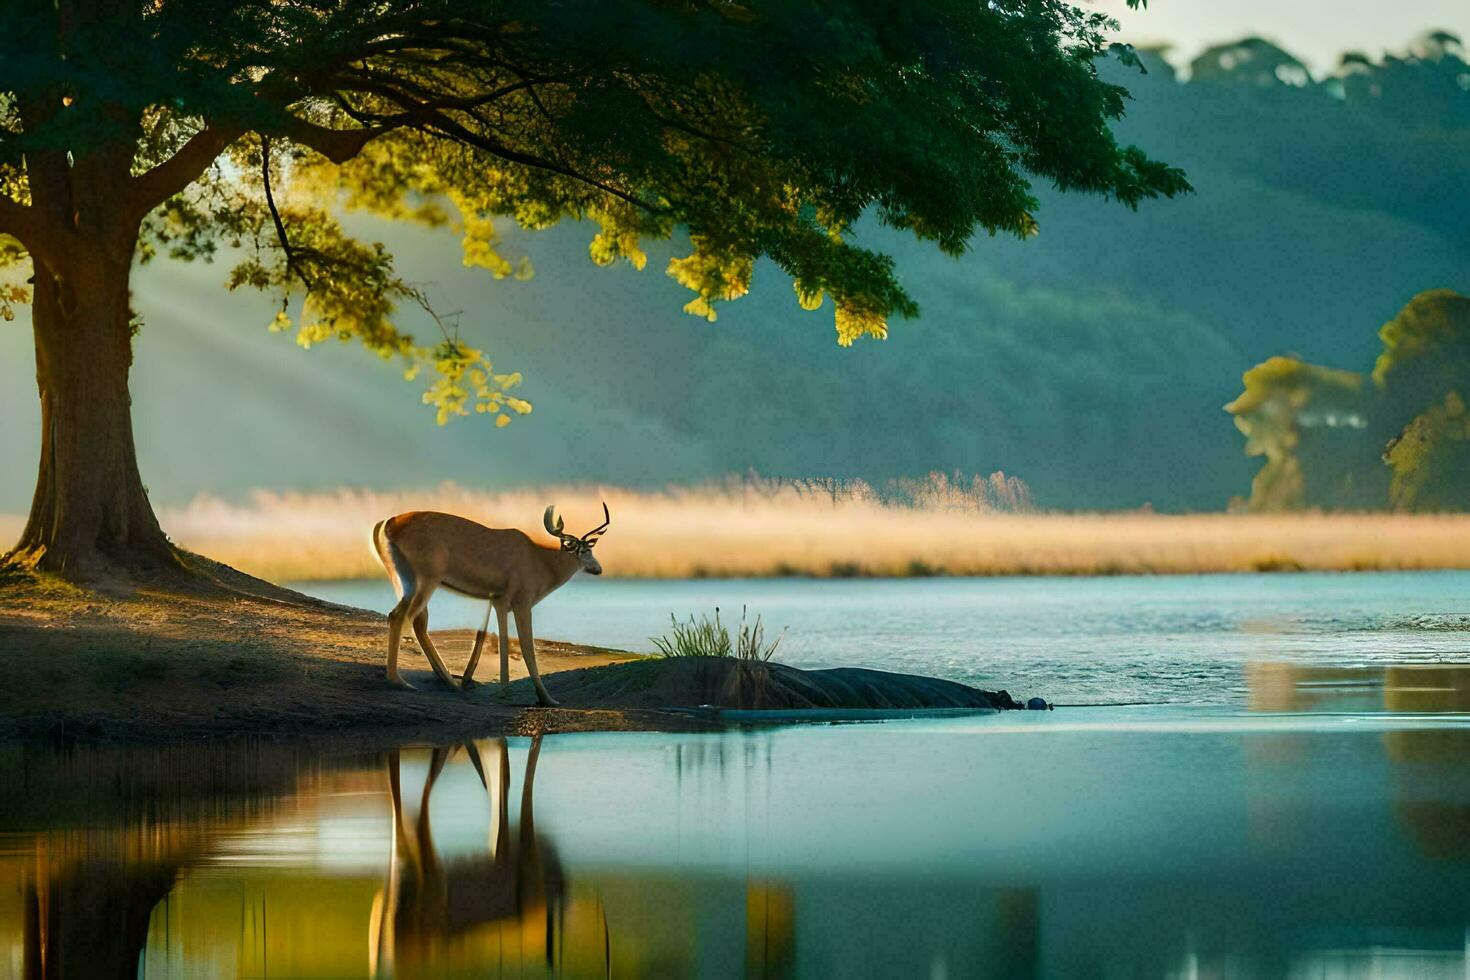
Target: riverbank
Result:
[[164, 666], [160, 666]]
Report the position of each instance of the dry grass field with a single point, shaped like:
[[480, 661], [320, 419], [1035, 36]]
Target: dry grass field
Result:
[[765, 528]]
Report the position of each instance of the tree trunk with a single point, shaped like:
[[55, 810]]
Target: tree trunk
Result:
[[90, 518]]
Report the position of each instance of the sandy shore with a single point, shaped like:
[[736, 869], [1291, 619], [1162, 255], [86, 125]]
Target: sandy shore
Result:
[[243, 657], [158, 666]]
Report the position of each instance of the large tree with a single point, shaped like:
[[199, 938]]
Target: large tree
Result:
[[130, 128]]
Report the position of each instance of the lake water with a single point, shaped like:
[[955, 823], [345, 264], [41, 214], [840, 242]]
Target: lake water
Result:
[[1180, 639], [1300, 809], [1091, 842]]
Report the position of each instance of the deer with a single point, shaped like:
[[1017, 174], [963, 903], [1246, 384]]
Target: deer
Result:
[[423, 550]]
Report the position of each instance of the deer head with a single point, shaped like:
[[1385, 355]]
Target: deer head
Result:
[[580, 547]]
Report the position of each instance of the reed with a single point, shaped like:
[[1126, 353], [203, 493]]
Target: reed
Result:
[[742, 529], [708, 637], [702, 638]]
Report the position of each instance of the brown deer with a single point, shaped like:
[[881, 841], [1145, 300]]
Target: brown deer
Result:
[[422, 550]]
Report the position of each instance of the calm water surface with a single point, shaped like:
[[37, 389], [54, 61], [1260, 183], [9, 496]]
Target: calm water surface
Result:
[[1307, 816], [1091, 842], [1183, 639]]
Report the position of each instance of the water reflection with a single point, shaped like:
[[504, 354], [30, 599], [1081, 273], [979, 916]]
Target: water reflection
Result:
[[437, 917], [90, 918], [1417, 687], [1430, 768], [1084, 843]]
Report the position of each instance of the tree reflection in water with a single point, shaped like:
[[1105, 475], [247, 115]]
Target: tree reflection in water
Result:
[[1423, 761]]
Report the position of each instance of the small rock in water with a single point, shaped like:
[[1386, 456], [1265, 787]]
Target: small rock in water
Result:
[[1038, 704]]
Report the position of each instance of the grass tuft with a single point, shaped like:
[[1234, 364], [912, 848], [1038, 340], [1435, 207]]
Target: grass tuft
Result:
[[706, 637]]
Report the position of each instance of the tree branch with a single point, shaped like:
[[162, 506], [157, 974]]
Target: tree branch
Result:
[[28, 226], [450, 128], [14, 217], [426, 116], [152, 187], [337, 145], [270, 202], [405, 92]]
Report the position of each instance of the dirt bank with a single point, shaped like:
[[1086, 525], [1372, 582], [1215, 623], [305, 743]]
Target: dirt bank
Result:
[[649, 683], [155, 665], [159, 665]]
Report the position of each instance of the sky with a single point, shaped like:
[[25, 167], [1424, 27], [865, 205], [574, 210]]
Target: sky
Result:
[[1316, 31]]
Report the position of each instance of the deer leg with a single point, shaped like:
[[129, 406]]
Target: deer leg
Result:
[[531, 868], [419, 614], [528, 815], [492, 794], [422, 827], [421, 631], [497, 796], [396, 620], [402, 843], [432, 899], [385, 938], [502, 801], [528, 854], [528, 654], [469, 668], [501, 614]]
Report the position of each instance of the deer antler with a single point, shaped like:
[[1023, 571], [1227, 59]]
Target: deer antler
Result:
[[597, 531], [555, 530]]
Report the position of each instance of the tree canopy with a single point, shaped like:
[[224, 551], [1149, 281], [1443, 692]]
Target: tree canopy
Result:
[[754, 129], [1288, 409], [758, 128]]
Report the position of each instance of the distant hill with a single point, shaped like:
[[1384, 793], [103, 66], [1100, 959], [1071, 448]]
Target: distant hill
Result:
[[1092, 361]]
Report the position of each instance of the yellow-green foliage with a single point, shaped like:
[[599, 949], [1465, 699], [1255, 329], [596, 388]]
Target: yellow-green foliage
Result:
[[758, 129], [13, 259], [1279, 393], [1411, 418], [1430, 336], [348, 290], [1431, 459], [1425, 368], [12, 295]]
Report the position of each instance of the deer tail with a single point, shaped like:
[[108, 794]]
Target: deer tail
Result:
[[390, 557]]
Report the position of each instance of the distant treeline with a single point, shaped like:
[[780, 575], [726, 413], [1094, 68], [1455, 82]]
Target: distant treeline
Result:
[[1092, 360], [974, 493], [1397, 437]]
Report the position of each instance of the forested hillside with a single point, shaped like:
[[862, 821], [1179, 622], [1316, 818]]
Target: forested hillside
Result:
[[1092, 360]]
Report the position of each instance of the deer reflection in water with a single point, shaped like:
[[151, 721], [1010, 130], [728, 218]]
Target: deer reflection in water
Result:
[[429, 903]]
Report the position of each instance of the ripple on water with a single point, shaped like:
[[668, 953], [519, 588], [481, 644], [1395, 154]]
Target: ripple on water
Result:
[[1187, 639]]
